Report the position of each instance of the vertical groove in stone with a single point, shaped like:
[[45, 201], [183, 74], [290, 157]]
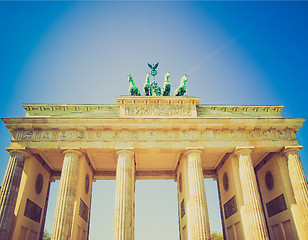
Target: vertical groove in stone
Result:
[[252, 202], [124, 200], [299, 185], [45, 210], [66, 196], [198, 220], [133, 200], [9, 192]]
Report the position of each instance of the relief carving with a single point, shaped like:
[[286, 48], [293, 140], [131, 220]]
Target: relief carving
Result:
[[150, 135], [46, 135], [250, 134], [218, 134], [266, 134], [80, 135], [236, 134], [282, 134], [134, 135], [158, 110], [98, 135], [27, 135], [63, 135], [161, 135]]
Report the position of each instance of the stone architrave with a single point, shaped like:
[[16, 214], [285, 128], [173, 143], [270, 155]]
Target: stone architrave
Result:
[[198, 219], [9, 191], [125, 196], [298, 182], [254, 217], [67, 191]]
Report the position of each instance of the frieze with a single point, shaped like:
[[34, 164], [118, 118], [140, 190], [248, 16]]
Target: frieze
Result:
[[177, 110], [153, 135]]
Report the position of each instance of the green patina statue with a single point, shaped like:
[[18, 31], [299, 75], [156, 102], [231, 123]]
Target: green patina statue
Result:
[[167, 85], [153, 68], [153, 89], [156, 89], [182, 89], [133, 89], [147, 88]]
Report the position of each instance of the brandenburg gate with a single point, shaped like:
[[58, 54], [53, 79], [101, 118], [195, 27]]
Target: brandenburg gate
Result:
[[251, 151]]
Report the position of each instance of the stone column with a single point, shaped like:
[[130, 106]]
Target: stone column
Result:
[[298, 182], [62, 225], [9, 191], [197, 213], [254, 220], [125, 196]]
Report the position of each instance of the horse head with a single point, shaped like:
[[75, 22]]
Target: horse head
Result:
[[167, 76], [147, 80], [130, 79], [184, 79]]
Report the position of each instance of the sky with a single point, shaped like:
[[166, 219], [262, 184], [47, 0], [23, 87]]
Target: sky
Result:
[[249, 53]]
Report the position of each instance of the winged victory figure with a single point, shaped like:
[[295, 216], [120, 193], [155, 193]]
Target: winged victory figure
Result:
[[153, 68]]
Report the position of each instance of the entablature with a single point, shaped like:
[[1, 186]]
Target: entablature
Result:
[[41, 123], [152, 107], [96, 133]]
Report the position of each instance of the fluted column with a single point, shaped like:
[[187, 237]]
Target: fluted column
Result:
[[198, 219], [9, 191], [62, 225], [254, 219], [298, 182], [125, 196]]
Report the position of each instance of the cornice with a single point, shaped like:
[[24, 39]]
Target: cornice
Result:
[[40, 123], [153, 107], [65, 107]]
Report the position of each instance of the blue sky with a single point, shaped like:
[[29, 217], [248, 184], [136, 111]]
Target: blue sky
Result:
[[81, 52]]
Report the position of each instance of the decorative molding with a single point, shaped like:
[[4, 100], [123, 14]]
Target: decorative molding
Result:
[[159, 111], [158, 107], [242, 108], [151, 106], [291, 149], [153, 135], [65, 107]]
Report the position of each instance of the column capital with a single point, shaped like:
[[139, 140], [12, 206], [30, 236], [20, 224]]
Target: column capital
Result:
[[129, 151], [75, 151], [290, 149], [190, 150], [18, 151], [243, 150]]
